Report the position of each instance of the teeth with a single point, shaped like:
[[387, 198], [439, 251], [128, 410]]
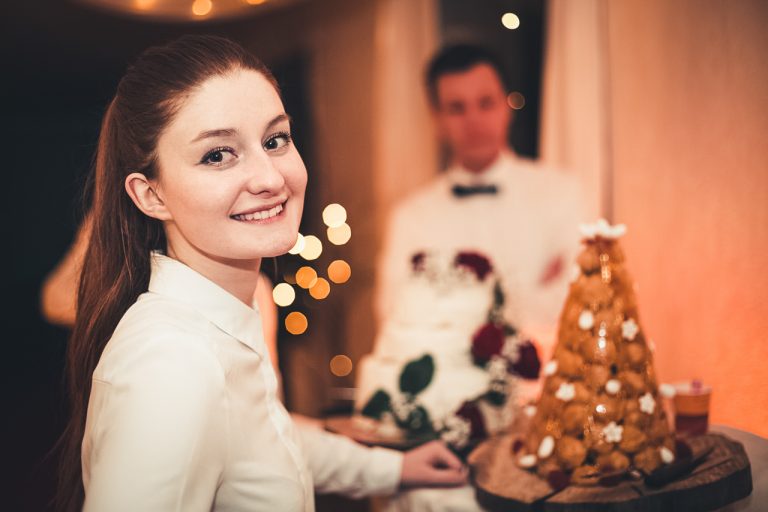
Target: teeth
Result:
[[264, 214]]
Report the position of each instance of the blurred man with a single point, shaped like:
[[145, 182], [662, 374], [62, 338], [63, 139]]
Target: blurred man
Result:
[[524, 217]]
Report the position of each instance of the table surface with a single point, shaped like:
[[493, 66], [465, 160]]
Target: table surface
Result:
[[462, 499]]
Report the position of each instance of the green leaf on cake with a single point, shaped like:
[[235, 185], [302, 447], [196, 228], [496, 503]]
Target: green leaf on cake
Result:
[[417, 375], [377, 405]]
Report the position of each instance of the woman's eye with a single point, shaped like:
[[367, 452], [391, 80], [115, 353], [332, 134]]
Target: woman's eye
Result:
[[218, 156], [277, 141]]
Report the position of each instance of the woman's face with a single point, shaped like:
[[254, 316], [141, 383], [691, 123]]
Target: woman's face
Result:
[[230, 178]]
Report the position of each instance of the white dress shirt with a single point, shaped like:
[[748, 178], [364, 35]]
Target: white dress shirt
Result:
[[183, 414], [531, 221]]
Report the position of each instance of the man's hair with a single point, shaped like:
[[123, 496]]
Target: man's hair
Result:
[[458, 58]]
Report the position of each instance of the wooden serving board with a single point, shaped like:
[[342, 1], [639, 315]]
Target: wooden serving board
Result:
[[722, 478]]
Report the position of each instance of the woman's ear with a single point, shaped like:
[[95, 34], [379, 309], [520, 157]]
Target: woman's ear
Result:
[[144, 195]]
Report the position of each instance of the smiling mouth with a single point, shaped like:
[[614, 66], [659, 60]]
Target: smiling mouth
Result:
[[261, 215]]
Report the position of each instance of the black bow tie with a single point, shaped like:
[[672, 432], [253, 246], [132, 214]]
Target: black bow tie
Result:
[[464, 191]]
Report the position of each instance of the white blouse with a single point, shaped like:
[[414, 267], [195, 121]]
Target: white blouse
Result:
[[183, 414]]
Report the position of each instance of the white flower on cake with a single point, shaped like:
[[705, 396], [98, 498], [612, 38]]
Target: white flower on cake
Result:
[[666, 455], [402, 407], [497, 368], [550, 368], [586, 320], [667, 390], [612, 387], [602, 229], [647, 403], [387, 426], [546, 447], [613, 432], [527, 461], [511, 349], [456, 431], [565, 392], [629, 329], [529, 410]]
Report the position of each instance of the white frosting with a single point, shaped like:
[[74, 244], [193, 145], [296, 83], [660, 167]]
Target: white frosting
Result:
[[613, 432], [629, 329], [550, 368], [613, 386], [565, 392], [647, 403], [667, 390], [586, 320], [546, 447], [602, 229], [529, 410], [667, 457], [527, 461]]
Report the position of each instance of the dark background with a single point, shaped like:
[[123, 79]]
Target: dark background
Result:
[[61, 63]]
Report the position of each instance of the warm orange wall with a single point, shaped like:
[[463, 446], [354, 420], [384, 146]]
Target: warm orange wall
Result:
[[689, 91]]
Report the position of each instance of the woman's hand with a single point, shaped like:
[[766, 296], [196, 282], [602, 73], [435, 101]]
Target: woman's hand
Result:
[[432, 464]]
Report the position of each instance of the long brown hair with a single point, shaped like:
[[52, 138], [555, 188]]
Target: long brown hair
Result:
[[116, 267]]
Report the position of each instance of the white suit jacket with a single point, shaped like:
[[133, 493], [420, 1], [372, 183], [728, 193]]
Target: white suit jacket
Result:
[[532, 220], [183, 414]]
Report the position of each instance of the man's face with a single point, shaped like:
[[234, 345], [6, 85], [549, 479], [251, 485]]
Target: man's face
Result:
[[473, 116]]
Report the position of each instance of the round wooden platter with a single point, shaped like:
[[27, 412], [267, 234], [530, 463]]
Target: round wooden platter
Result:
[[723, 477], [366, 431]]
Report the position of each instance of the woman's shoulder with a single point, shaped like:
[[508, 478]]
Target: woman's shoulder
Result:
[[158, 334]]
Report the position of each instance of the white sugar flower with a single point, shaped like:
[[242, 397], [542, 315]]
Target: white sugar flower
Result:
[[603, 229], [647, 403], [565, 392], [526, 461], [666, 455], [612, 387], [574, 273], [546, 447], [586, 320], [550, 368], [613, 432], [629, 329]]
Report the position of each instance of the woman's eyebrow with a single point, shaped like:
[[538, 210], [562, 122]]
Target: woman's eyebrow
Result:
[[219, 132], [231, 132]]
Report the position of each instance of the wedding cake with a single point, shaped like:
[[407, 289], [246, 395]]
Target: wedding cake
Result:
[[600, 411], [445, 363]]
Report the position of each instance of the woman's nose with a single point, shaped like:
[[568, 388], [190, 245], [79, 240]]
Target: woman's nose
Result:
[[265, 176]]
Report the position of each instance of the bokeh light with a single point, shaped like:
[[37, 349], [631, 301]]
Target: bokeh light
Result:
[[320, 289], [516, 100], [510, 20], [306, 277], [339, 271], [313, 248], [298, 246], [255, 2], [340, 235], [283, 294], [334, 215], [201, 7], [296, 323], [341, 365]]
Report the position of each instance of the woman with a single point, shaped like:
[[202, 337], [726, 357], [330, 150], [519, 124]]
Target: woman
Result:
[[174, 400]]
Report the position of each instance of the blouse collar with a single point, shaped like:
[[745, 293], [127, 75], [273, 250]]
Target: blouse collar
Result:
[[174, 279]]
